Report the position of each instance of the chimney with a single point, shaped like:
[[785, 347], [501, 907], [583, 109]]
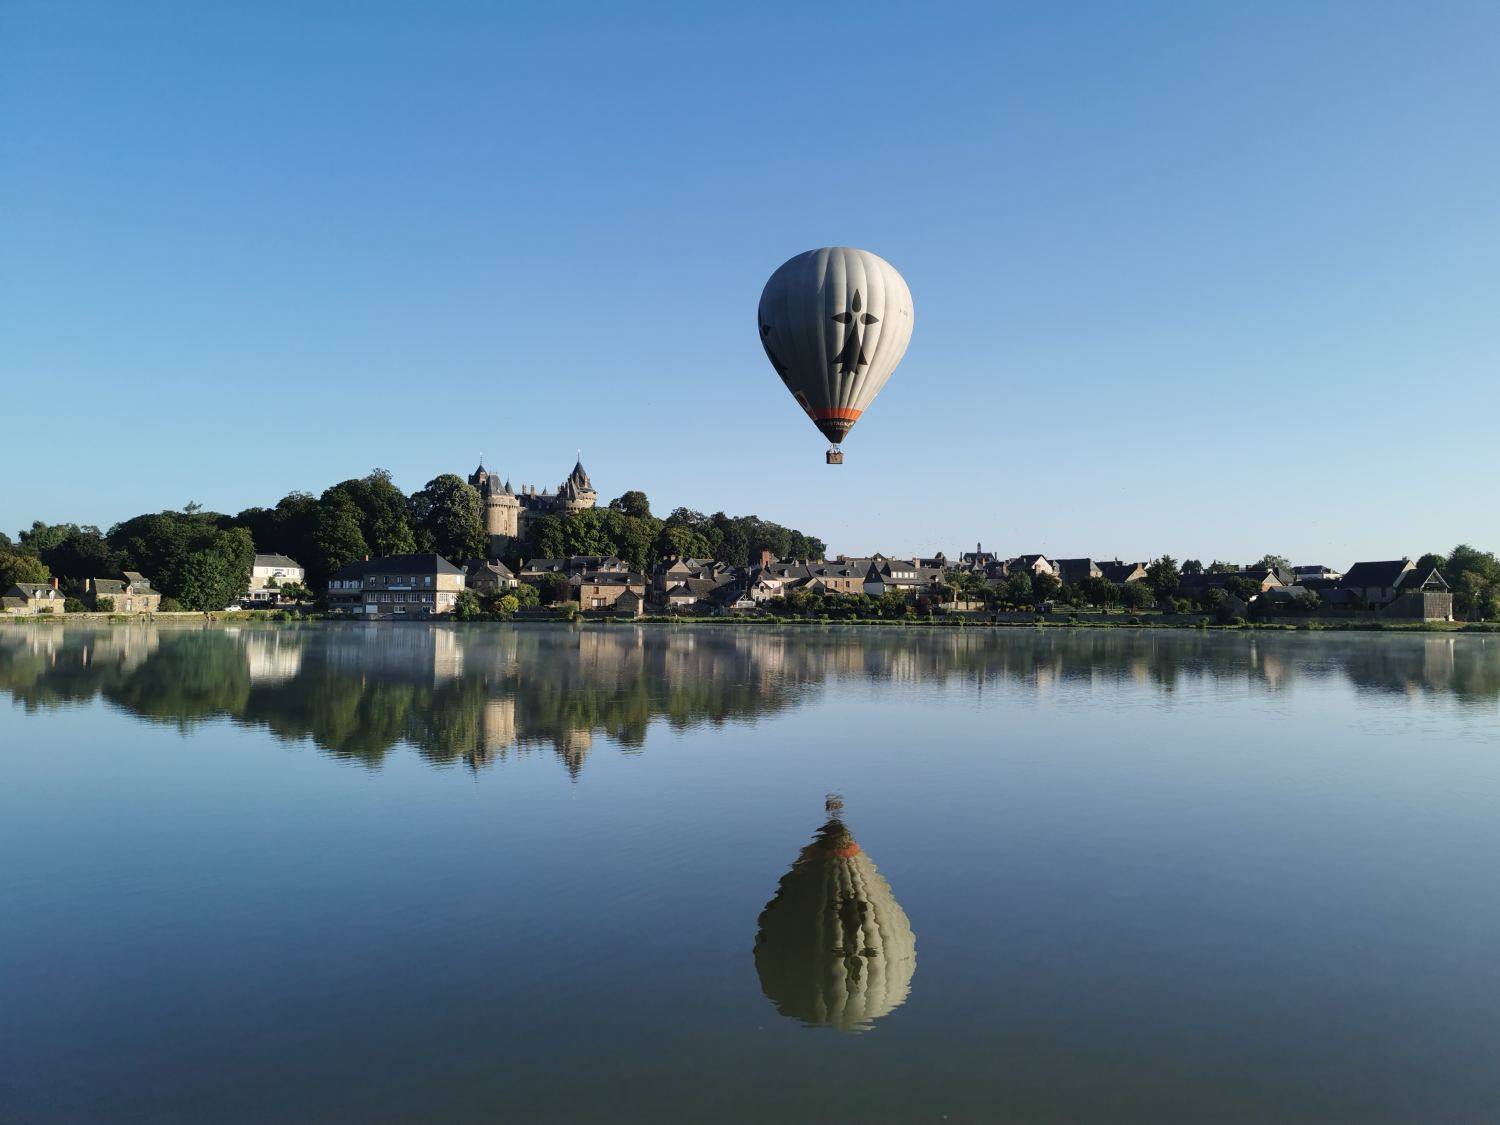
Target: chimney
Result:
[[54, 583], [765, 557]]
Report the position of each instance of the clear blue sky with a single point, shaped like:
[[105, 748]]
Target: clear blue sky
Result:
[[1209, 279]]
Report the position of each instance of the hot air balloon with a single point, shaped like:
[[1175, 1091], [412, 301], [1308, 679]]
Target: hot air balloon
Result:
[[834, 948], [835, 323]]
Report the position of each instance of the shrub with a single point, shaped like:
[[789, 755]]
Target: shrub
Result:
[[170, 605], [73, 605], [104, 605]]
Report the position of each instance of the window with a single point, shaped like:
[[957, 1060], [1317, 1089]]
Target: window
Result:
[[427, 580]]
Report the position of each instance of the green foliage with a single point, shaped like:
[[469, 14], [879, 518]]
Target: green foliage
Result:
[[296, 592], [544, 538], [190, 556], [1099, 592], [215, 575], [170, 605], [1192, 566], [1163, 577], [552, 589], [466, 607], [16, 567], [525, 594], [1018, 589], [447, 514], [71, 551], [1044, 587], [102, 605], [384, 512], [683, 541], [73, 605], [336, 538], [1137, 595], [632, 503]]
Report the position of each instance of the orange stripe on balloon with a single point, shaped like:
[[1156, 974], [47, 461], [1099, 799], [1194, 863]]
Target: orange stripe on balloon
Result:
[[843, 413]]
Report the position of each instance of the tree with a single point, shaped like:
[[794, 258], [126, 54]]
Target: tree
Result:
[[544, 538], [336, 537], [525, 594], [79, 552], [1018, 588], [1138, 595], [632, 503], [1163, 577], [446, 513], [15, 567], [1099, 592], [1275, 562], [1045, 587], [385, 512], [1192, 566], [296, 592], [681, 541], [552, 589], [213, 576], [466, 606]]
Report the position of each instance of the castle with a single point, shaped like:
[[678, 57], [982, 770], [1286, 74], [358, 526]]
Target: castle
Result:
[[508, 512]]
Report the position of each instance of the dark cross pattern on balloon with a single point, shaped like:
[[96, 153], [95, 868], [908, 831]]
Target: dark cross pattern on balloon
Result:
[[851, 356]]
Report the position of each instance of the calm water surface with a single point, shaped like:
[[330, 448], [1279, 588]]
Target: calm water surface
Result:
[[419, 873]]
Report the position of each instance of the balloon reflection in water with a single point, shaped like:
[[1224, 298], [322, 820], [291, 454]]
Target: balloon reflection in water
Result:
[[834, 947]]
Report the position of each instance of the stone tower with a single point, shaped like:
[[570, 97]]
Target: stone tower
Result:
[[577, 492], [502, 510]]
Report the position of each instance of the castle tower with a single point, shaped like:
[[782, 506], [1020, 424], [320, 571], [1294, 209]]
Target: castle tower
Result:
[[502, 510], [577, 492]]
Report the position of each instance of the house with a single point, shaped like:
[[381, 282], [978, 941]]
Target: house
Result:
[[1400, 589], [132, 592], [601, 589], [907, 576], [26, 599], [488, 577], [841, 576], [1032, 564], [1302, 575], [1122, 573], [977, 559], [629, 604], [1376, 583], [571, 566], [1074, 571], [397, 587], [268, 573]]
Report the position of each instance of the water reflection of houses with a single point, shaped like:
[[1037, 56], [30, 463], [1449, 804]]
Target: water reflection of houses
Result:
[[486, 695]]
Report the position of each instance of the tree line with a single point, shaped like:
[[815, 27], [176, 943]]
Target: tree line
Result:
[[201, 560]]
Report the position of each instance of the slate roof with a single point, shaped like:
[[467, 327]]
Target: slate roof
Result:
[[407, 564], [1371, 574], [277, 560]]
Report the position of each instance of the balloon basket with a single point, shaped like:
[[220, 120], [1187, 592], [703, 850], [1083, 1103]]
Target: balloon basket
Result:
[[835, 456]]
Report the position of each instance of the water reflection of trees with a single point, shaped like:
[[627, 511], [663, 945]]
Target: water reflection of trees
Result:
[[479, 694]]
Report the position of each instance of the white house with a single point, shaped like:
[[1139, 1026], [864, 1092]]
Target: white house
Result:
[[271, 572]]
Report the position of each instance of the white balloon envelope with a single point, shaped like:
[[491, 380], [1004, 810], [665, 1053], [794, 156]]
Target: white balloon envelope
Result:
[[835, 323]]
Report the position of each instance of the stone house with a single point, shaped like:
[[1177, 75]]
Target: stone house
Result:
[[1074, 571], [26, 599], [489, 577], [601, 589], [397, 587], [132, 592], [1400, 589], [1121, 573]]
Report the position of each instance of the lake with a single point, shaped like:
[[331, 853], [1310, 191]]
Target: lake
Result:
[[404, 872]]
